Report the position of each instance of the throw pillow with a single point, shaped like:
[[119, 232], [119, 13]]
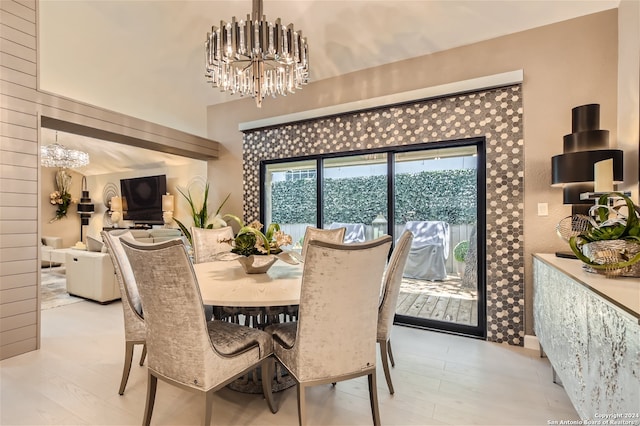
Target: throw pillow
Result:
[[94, 244]]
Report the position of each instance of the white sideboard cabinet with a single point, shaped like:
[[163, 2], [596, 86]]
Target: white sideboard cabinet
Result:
[[588, 326]]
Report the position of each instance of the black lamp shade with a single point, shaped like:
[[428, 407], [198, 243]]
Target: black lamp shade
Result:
[[578, 166]]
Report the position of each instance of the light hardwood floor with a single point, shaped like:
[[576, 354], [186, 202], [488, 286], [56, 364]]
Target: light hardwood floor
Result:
[[439, 379]]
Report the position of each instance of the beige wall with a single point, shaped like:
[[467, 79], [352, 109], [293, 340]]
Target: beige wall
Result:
[[565, 65], [629, 92]]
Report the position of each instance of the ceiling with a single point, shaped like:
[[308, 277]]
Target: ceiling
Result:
[[343, 36]]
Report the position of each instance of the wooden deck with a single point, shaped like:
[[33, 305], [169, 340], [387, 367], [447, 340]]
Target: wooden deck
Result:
[[438, 300]]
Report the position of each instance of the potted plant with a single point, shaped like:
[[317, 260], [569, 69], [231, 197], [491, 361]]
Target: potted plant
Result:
[[200, 215], [460, 254], [610, 242]]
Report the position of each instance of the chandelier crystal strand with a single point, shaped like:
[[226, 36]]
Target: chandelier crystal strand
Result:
[[255, 57]]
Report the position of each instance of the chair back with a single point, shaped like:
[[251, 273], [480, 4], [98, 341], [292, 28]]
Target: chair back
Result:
[[124, 275], [335, 235], [391, 281], [338, 313], [178, 343], [207, 243]]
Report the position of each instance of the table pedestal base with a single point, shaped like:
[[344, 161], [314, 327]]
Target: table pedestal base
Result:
[[252, 383]]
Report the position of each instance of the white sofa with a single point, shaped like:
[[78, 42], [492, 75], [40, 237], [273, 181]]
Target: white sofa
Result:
[[155, 235]]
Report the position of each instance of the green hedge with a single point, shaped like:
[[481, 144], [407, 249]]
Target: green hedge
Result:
[[448, 195]]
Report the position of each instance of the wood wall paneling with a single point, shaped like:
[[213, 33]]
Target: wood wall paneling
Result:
[[19, 265], [18, 280], [18, 321], [18, 240]]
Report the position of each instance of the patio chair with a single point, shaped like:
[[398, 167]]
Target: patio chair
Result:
[[354, 232], [429, 250]]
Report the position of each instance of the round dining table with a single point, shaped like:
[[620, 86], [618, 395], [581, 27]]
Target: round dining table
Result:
[[225, 283]]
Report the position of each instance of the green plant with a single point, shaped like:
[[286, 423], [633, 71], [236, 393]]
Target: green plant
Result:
[[605, 229], [460, 250], [250, 240], [200, 215]]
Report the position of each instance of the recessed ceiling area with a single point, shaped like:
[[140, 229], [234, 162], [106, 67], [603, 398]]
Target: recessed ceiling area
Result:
[[110, 157]]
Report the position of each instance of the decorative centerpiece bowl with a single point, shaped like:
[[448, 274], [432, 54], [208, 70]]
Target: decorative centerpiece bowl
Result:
[[257, 264], [257, 251]]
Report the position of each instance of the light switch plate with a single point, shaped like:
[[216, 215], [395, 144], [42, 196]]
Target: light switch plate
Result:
[[543, 209]]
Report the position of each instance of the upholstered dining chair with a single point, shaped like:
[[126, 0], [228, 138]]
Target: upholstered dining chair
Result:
[[391, 281], [332, 235], [134, 326], [183, 348], [207, 243], [334, 338]]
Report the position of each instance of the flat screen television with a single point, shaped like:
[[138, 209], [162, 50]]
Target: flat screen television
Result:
[[142, 199]]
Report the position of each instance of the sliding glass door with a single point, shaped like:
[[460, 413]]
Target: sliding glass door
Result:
[[435, 191]]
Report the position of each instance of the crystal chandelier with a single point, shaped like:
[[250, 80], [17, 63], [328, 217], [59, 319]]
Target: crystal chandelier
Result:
[[56, 155], [256, 57]]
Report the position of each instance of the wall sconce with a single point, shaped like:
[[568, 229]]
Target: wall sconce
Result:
[[583, 148], [85, 206], [116, 210], [167, 209]]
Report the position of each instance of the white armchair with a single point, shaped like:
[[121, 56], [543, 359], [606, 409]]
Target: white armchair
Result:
[[91, 275]]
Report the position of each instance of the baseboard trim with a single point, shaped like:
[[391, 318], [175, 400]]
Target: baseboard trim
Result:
[[531, 342]]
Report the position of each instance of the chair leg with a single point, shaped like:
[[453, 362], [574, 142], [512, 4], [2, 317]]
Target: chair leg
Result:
[[208, 407], [144, 354], [373, 397], [302, 412], [385, 363], [393, 363], [267, 376], [128, 356], [152, 385]]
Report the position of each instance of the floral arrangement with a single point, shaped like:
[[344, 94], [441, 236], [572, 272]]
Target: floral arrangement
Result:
[[61, 198], [250, 240]]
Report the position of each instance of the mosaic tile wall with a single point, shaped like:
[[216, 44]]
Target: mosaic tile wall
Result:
[[495, 114]]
